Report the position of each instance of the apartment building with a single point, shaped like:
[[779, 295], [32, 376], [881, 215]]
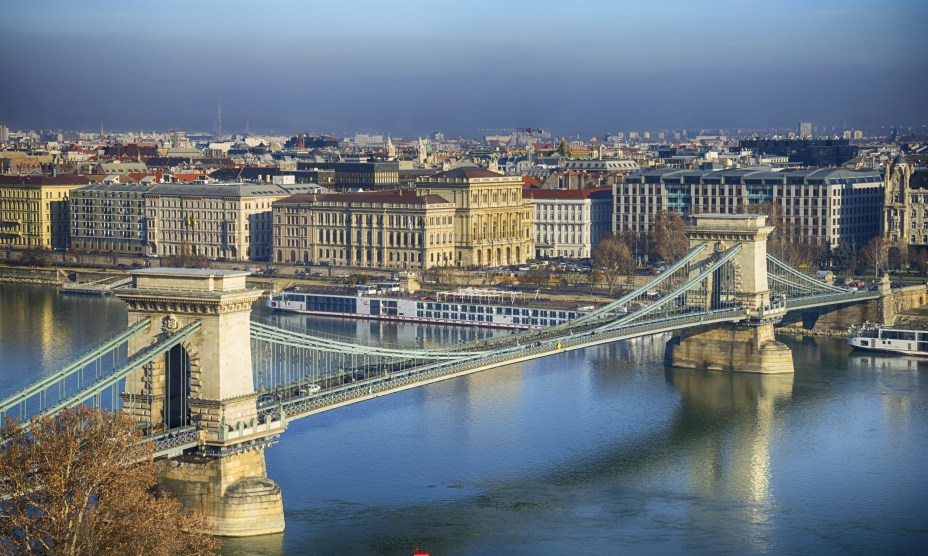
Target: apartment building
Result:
[[819, 207], [570, 222], [34, 210], [109, 218], [217, 220], [376, 229], [231, 220]]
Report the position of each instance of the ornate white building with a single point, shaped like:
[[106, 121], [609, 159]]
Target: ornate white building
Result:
[[570, 222]]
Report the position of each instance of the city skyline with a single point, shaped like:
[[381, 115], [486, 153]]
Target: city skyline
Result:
[[409, 69]]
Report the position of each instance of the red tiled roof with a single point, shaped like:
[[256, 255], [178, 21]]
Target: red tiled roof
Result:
[[529, 181], [139, 176]]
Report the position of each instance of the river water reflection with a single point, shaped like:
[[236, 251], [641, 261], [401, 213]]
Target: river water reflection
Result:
[[599, 451]]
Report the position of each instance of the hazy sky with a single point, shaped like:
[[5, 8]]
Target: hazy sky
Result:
[[412, 67]]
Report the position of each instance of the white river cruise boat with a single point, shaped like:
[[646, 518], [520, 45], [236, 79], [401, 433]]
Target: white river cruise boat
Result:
[[473, 308], [887, 339]]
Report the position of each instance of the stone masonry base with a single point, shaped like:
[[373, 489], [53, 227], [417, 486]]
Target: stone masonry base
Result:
[[749, 349]]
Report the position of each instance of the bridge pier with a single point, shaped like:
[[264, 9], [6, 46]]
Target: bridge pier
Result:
[[743, 347], [730, 347], [207, 381], [232, 491]]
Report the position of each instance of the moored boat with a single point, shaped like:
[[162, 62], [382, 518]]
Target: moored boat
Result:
[[887, 339], [465, 307]]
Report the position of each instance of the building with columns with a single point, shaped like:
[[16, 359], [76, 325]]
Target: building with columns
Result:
[[375, 229], [570, 222], [493, 223]]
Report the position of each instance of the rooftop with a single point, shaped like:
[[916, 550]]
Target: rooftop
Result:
[[39, 181], [169, 271], [403, 197]]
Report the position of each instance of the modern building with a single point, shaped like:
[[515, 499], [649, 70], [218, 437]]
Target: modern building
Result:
[[805, 152], [34, 210], [819, 207], [804, 130], [493, 224], [373, 229], [569, 223]]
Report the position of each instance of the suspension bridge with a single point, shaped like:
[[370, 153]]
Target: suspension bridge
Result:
[[212, 387]]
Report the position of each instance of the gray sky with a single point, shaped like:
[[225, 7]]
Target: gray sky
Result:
[[412, 67]]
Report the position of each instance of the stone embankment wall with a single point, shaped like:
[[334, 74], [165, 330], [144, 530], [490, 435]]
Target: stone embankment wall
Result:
[[834, 321], [52, 276], [43, 276], [904, 299]]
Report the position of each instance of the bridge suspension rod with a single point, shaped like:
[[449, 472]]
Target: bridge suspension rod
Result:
[[136, 362], [688, 285], [95, 354], [803, 278], [279, 336], [603, 312], [663, 276]]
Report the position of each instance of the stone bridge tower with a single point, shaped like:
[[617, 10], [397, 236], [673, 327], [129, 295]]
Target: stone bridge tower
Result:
[[748, 346], [207, 382]]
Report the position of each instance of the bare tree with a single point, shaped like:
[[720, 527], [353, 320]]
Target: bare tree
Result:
[[897, 255], [612, 259], [537, 277], [638, 243], [787, 242], [670, 238], [81, 483], [874, 254]]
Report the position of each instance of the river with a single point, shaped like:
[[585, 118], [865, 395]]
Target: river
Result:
[[598, 451]]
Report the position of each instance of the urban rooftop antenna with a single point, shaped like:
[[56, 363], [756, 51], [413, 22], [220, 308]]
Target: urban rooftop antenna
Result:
[[219, 120]]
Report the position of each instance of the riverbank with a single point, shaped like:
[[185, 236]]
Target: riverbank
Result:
[[37, 276], [800, 331]]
